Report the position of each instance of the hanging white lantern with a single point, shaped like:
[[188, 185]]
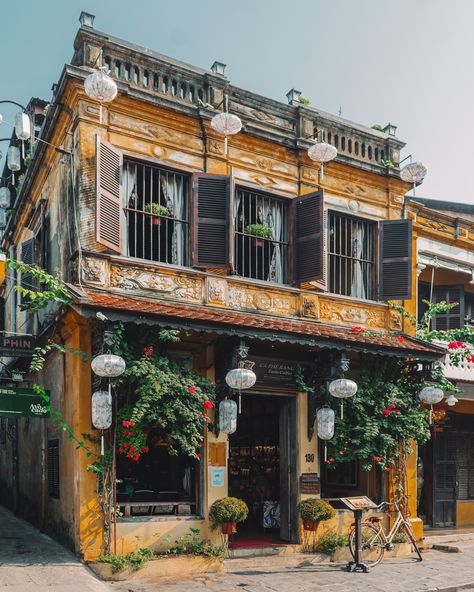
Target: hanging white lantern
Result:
[[3, 219], [227, 416], [451, 400], [342, 388], [325, 418], [431, 394], [101, 410], [241, 378], [13, 158], [414, 172], [100, 87], [22, 126], [108, 365], [322, 152], [4, 197]]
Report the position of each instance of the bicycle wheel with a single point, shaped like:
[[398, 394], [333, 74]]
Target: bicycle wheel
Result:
[[412, 539], [372, 545]]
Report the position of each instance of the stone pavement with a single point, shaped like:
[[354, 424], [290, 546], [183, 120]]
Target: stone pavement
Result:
[[447, 572], [32, 562]]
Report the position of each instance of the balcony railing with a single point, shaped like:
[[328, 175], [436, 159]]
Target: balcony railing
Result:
[[464, 372]]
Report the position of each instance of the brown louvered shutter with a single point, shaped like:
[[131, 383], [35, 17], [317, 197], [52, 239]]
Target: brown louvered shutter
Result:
[[108, 200], [53, 468], [395, 259], [211, 219], [308, 238], [27, 279], [454, 317]]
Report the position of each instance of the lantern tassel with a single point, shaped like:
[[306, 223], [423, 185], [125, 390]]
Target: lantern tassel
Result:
[[102, 448], [225, 145], [431, 414], [342, 410], [240, 401], [110, 393], [321, 172], [100, 113], [325, 451], [23, 150]]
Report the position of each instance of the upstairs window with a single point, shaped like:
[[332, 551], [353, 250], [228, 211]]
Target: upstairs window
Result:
[[156, 213], [351, 256], [261, 236]]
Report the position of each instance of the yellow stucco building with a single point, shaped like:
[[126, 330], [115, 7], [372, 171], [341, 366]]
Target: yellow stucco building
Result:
[[337, 247]]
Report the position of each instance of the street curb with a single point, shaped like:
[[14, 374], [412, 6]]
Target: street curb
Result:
[[455, 588], [446, 548]]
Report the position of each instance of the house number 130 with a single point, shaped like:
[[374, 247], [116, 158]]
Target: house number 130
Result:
[[309, 458]]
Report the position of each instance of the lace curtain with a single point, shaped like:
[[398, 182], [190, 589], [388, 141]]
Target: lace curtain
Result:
[[173, 190]]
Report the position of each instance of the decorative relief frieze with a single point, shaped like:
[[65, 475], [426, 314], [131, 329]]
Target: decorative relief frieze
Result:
[[216, 292], [94, 271], [394, 320], [310, 306], [179, 286], [268, 301], [433, 225], [346, 313]]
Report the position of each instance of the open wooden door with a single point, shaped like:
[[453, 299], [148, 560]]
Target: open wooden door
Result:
[[288, 471]]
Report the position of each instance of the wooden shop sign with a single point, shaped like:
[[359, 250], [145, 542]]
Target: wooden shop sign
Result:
[[17, 346], [274, 372], [309, 483]]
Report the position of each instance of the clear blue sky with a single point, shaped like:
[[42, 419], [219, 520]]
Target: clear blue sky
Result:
[[408, 62]]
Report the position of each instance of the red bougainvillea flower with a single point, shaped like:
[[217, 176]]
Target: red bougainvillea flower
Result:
[[377, 458], [386, 412], [136, 457], [191, 389], [357, 330], [456, 344], [144, 449], [148, 351], [126, 444], [208, 404], [128, 424], [396, 410], [471, 359], [388, 469], [392, 406], [121, 450], [201, 444], [129, 454], [205, 415], [401, 339], [199, 455]]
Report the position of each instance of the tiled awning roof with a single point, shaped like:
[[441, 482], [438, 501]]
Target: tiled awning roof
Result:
[[251, 325]]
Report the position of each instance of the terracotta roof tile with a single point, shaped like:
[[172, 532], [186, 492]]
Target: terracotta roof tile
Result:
[[107, 300]]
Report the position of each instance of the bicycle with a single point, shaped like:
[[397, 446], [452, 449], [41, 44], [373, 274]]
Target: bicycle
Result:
[[374, 539]]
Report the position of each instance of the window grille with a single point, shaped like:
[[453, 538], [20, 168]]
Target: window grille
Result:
[[156, 233], [351, 253], [260, 257]]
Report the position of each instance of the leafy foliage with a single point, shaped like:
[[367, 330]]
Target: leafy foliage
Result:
[[192, 544], [315, 509], [134, 560], [384, 412], [331, 541], [227, 509], [259, 230], [170, 397]]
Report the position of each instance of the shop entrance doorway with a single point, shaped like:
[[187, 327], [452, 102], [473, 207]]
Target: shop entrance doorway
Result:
[[263, 469]]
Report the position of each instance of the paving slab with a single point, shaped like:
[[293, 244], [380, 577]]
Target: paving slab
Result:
[[31, 561]]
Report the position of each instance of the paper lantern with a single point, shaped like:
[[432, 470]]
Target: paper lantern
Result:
[[240, 378], [108, 365], [322, 152], [451, 400], [325, 421], [22, 126], [13, 158], [3, 219], [4, 197], [342, 388], [430, 395], [227, 416], [101, 410]]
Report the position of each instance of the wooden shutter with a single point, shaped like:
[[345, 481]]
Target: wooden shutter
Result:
[[308, 239], [53, 468], [453, 318], [211, 220], [108, 200], [27, 256], [395, 259]]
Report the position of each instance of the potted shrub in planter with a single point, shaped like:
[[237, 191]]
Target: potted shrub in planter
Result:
[[313, 511], [259, 232], [157, 210], [226, 513]]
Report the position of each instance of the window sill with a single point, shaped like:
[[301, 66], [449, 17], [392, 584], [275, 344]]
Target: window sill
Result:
[[168, 518]]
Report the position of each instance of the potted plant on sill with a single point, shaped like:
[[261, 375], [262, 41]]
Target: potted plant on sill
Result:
[[226, 513], [313, 511], [157, 211], [259, 232]]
